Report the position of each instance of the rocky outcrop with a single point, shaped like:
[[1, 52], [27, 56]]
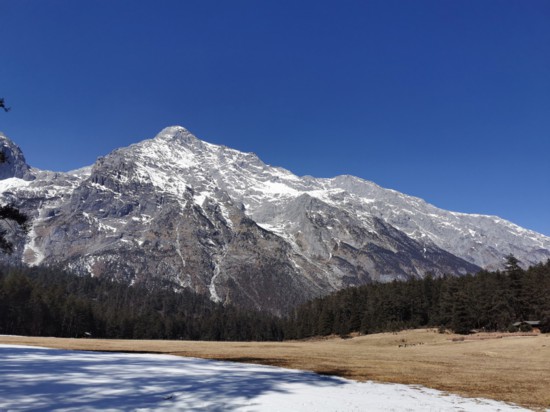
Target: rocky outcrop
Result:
[[13, 162]]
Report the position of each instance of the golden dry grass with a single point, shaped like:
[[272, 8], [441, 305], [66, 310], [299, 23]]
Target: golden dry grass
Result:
[[507, 368]]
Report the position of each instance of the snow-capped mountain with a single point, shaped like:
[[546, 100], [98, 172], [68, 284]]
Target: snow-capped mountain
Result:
[[223, 223]]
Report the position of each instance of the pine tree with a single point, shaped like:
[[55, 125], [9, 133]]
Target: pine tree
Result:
[[517, 299]]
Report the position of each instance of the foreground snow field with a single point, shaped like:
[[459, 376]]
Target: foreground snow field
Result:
[[44, 379]]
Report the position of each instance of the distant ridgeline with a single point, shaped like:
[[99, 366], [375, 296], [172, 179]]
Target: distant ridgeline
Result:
[[46, 302]]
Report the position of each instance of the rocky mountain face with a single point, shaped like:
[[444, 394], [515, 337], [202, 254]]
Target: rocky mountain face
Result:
[[223, 223], [13, 162]]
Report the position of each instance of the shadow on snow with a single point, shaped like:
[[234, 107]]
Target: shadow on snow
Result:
[[46, 379]]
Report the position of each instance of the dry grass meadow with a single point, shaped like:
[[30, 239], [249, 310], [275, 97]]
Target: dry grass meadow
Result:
[[505, 367]]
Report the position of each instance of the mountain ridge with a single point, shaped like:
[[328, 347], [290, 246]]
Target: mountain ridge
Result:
[[224, 223]]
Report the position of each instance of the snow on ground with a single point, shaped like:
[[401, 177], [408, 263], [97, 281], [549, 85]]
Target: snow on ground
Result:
[[42, 379]]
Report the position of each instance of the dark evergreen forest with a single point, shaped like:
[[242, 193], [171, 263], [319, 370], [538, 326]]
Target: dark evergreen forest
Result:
[[490, 301], [47, 302]]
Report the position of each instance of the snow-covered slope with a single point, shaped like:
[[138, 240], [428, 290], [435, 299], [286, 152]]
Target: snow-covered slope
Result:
[[262, 189], [222, 222]]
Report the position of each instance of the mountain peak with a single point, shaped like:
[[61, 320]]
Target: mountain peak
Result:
[[14, 163], [176, 133]]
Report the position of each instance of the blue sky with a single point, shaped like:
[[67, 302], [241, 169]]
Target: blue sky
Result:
[[445, 100]]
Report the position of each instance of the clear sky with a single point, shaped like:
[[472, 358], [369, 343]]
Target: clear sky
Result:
[[448, 100]]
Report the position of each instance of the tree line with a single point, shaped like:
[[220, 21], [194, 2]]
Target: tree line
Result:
[[49, 302], [490, 301]]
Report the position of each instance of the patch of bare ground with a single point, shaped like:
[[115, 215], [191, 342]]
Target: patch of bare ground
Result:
[[507, 367]]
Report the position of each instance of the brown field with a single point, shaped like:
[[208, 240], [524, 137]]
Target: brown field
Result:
[[505, 367]]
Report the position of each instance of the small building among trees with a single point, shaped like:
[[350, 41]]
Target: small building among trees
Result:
[[528, 326]]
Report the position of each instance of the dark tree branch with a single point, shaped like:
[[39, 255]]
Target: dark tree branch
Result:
[[11, 213], [3, 105]]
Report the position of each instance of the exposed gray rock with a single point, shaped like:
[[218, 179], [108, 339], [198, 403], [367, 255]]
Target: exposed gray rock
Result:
[[223, 223], [14, 164]]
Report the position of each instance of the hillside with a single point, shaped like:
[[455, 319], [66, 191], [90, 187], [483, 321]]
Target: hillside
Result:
[[222, 223]]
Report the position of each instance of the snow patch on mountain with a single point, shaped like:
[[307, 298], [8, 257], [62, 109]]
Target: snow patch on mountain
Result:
[[175, 161]]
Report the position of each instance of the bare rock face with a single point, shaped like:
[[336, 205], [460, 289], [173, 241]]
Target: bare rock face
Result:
[[223, 223], [13, 162]]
